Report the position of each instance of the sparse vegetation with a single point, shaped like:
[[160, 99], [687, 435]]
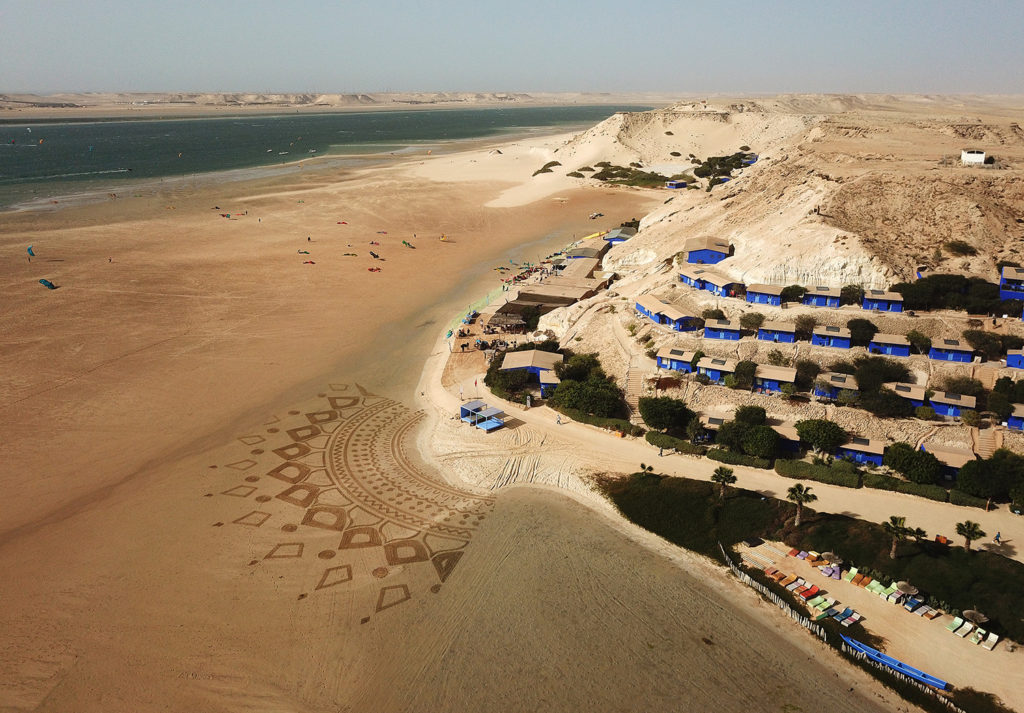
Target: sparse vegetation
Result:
[[960, 248], [575, 174]]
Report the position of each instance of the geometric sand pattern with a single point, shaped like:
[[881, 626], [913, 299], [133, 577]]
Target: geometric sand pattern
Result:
[[342, 470]]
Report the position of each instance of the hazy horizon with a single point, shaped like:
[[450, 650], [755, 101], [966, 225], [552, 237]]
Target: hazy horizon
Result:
[[917, 46]]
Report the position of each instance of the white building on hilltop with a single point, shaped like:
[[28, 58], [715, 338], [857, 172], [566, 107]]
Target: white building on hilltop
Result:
[[972, 157]]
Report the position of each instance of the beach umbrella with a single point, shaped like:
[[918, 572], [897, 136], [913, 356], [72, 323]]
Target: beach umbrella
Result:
[[975, 617], [906, 588]]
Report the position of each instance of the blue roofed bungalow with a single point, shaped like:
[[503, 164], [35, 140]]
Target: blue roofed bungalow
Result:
[[706, 251], [704, 279], [661, 312], [949, 404], [619, 235], [830, 384], [789, 439], [837, 337], [784, 332], [862, 450], [1015, 358], [821, 296], [883, 301], [540, 365], [675, 185], [1016, 419], [722, 329], [951, 458], [890, 345], [765, 295], [911, 392], [715, 368], [950, 350], [1011, 283], [770, 379], [675, 359]]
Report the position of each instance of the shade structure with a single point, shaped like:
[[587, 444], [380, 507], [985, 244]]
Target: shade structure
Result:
[[906, 588], [975, 617]]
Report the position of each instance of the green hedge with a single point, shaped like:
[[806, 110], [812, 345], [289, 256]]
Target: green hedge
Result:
[[959, 497], [821, 473], [932, 492], [881, 482], [663, 440], [612, 424], [723, 456]]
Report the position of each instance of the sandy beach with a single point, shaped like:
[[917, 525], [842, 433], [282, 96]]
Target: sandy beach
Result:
[[222, 494]]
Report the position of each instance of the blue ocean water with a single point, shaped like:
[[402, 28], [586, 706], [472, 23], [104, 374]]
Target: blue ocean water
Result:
[[46, 160]]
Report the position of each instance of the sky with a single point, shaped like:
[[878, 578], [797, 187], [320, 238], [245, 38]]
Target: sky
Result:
[[679, 46]]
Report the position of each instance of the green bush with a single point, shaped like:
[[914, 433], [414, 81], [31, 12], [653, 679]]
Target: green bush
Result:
[[542, 170], [552, 164], [664, 413], [585, 168], [932, 492], [925, 413], [959, 247], [959, 497], [612, 424], [733, 458], [880, 482], [575, 174], [662, 440], [840, 473]]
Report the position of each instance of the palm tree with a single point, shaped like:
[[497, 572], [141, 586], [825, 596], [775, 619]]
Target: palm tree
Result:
[[723, 476], [800, 495], [897, 529], [970, 531], [646, 469]]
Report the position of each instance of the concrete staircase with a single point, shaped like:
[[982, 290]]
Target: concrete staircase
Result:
[[986, 442], [634, 389]]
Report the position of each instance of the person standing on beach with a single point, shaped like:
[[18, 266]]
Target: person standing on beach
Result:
[[998, 537]]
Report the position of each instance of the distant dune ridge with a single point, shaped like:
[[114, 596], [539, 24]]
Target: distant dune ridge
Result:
[[123, 101], [840, 182]]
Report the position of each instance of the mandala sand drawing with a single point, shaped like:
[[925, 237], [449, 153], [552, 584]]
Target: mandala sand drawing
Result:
[[344, 469]]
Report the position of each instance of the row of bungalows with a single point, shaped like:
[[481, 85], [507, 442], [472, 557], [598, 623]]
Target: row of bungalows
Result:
[[701, 278], [780, 332], [822, 296], [773, 378], [951, 458], [862, 450], [675, 359], [716, 369], [706, 251], [889, 345], [619, 235], [1016, 419], [837, 337], [882, 301], [1011, 283], [765, 295], [830, 384], [945, 403], [951, 350], [722, 329], [661, 312], [539, 364]]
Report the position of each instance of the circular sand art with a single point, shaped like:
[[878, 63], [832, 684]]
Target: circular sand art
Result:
[[341, 476]]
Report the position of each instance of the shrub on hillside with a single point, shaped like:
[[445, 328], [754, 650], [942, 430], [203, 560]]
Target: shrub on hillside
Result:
[[663, 440], [959, 497], [733, 458], [665, 413], [959, 248], [862, 331], [575, 174], [839, 473], [751, 415]]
